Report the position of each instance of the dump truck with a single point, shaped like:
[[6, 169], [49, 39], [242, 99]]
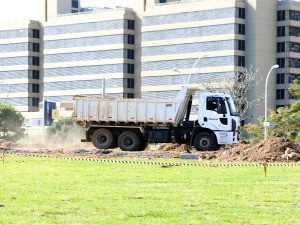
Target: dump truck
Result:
[[131, 124]]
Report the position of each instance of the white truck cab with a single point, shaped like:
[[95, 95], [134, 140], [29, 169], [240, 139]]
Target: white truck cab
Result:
[[217, 112]]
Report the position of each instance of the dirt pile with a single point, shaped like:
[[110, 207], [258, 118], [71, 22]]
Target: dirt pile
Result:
[[274, 149], [6, 144], [172, 147]]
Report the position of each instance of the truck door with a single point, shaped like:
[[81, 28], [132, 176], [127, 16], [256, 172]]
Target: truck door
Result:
[[215, 114]]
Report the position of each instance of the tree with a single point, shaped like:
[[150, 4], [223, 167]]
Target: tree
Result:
[[10, 123], [62, 129], [287, 121], [237, 85], [295, 89]]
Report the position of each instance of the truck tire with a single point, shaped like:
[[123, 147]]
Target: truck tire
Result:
[[129, 141], [205, 142], [102, 138]]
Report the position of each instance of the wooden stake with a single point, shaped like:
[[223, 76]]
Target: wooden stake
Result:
[[265, 166]]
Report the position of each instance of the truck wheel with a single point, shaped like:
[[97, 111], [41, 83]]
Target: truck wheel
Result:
[[205, 142], [129, 141], [102, 138]]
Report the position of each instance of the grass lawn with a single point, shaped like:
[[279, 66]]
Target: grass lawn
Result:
[[56, 191]]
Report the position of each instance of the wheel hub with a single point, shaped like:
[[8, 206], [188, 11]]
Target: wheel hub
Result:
[[204, 142], [128, 142], [102, 139]]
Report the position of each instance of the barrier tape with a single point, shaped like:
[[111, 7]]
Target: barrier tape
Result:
[[162, 164]]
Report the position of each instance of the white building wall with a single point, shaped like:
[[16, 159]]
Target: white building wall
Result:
[[20, 54], [81, 50], [261, 51]]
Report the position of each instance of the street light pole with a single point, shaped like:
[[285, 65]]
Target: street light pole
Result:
[[266, 99], [7, 94], [103, 87], [176, 70], [188, 81]]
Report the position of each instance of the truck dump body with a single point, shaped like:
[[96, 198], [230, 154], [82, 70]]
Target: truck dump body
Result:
[[156, 111]]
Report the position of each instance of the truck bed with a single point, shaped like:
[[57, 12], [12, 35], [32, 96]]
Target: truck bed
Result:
[[95, 109]]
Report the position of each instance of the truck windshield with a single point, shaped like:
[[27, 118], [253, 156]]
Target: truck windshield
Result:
[[231, 106]]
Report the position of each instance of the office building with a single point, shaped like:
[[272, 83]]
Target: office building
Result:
[[149, 51], [288, 50], [20, 65], [176, 34], [82, 49]]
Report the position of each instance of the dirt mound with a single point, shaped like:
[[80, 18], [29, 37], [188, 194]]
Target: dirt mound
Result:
[[171, 147], [273, 149], [6, 144]]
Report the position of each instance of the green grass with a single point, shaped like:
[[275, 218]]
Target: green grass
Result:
[[55, 191]]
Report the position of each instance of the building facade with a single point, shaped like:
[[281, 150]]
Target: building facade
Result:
[[20, 65], [81, 50], [222, 35], [176, 34], [288, 50], [149, 51]]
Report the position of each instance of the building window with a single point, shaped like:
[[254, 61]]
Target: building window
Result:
[[281, 62], [35, 33], [281, 15], [279, 106], [35, 88], [293, 77], [128, 95], [241, 29], [294, 31], [130, 83], [131, 24], [241, 45], [281, 31], [35, 61], [74, 3], [241, 13], [35, 47], [280, 46], [130, 54], [280, 78], [35, 74], [35, 101], [130, 39], [74, 11], [294, 15], [280, 94], [240, 61], [130, 68], [294, 63], [292, 96], [162, 1], [294, 47]]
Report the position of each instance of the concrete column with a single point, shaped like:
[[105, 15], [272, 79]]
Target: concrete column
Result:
[[261, 50], [140, 7]]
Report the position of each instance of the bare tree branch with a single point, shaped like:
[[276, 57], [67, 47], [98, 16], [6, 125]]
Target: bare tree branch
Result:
[[238, 85]]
